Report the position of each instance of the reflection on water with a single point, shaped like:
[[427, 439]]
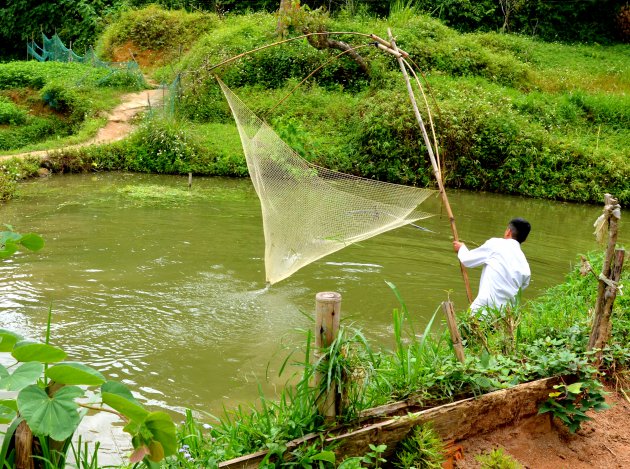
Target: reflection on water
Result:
[[164, 288]]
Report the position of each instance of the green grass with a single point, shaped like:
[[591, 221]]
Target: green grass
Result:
[[50, 105]]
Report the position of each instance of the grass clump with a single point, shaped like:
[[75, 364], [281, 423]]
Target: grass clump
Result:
[[497, 459], [422, 449], [14, 170]]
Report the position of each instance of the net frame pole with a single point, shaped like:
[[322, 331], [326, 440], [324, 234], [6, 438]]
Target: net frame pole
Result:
[[436, 169]]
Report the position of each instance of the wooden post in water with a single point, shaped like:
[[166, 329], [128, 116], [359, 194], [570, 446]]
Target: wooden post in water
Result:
[[449, 311], [608, 279], [327, 316]]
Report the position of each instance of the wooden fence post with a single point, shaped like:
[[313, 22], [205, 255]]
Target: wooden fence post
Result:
[[611, 273], [23, 447], [449, 311], [327, 316]]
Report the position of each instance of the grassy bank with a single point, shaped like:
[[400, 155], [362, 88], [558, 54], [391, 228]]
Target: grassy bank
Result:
[[542, 338], [514, 115], [51, 105]]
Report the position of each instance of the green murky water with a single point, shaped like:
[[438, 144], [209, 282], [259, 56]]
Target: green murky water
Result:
[[164, 288]]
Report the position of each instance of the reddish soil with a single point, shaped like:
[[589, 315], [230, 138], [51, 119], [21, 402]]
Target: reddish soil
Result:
[[540, 443], [147, 59]]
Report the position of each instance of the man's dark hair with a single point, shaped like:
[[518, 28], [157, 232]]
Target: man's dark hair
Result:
[[520, 229]]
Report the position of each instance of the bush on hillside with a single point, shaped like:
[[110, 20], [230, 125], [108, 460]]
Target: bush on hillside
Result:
[[66, 100], [35, 129], [10, 114], [155, 28]]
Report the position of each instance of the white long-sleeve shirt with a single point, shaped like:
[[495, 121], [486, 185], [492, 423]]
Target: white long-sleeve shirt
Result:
[[505, 271]]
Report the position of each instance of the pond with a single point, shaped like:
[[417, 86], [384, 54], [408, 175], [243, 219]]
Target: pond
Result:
[[164, 288]]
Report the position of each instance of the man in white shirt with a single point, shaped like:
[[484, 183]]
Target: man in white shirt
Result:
[[505, 270]]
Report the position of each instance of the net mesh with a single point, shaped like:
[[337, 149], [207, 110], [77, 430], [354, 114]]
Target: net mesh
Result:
[[54, 50], [309, 211]]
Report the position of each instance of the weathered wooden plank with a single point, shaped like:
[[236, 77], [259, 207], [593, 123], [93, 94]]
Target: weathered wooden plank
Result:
[[455, 421]]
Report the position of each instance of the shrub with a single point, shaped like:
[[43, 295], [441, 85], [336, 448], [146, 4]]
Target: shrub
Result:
[[10, 113], [8, 186], [35, 130], [155, 28], [33, 74], [127, 79], [65, 100]]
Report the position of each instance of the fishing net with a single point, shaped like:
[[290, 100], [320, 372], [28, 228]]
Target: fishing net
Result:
[[309, 211]]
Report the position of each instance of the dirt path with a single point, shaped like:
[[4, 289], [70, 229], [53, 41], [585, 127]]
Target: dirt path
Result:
[[118, 121]]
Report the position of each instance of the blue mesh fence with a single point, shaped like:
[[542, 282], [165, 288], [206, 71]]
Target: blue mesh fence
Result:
[[53, 49]]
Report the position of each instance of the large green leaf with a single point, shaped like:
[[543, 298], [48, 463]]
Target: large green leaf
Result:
[[9, 235], [163, 429], [27, 351], [8, 339], [575, 388], [7, 414], [10, 403], [3, 372], [328, 456], [54, 416], [119, 397], [25, 374], [75, 373], [32, 241], [8, 249]]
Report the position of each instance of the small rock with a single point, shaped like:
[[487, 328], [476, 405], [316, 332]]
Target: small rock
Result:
[[43, 172]]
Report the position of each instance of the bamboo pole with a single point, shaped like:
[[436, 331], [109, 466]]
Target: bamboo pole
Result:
[[449, 311], [327, 316], [436, 169]]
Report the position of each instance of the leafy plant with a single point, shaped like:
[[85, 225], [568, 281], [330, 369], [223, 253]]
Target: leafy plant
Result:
[[571, 402], [374, 457], [422, 449], [10, 242], [10, 113], [48, 387], [497, 459]]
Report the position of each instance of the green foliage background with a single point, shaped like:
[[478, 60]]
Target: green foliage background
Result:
[[80, 21], [513, 114]]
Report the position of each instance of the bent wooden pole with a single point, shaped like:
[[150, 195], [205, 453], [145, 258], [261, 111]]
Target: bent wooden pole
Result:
[[436, 169]]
